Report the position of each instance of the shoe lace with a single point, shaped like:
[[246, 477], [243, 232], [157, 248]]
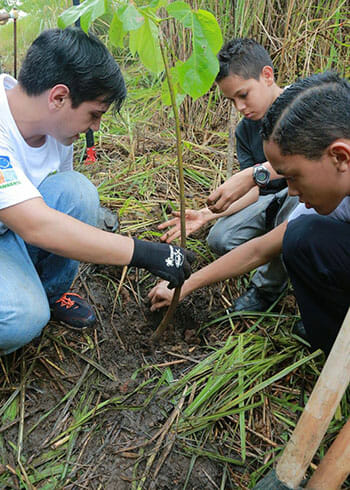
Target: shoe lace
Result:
[[66, 301]]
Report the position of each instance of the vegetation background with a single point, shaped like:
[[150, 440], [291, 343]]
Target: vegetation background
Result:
[[246, 379]]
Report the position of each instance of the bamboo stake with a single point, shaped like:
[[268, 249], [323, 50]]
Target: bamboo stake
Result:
[[231, 140], [313, 423], [335, 466]]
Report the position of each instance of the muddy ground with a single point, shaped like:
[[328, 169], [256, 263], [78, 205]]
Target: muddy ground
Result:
[[113, 447], [110, 450]]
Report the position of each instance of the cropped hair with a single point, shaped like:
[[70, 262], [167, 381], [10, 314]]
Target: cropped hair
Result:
[[78, 60], [243, 57], [309, 115]]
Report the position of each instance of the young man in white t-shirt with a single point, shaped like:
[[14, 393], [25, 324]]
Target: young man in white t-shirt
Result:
[[306, 135], [68, 80]]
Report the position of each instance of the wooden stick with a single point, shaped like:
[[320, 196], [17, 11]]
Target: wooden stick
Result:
[[335, 466], [232, 124], [314, 421]]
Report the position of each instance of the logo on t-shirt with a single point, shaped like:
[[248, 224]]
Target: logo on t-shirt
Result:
[[8, 175]]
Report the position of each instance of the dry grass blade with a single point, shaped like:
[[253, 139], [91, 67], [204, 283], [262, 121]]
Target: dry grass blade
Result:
[[85, 358], [67, 405], [161, 435]]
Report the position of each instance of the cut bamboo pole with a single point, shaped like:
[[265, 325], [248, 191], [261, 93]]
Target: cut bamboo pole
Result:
[[314, 421], [335, 466]]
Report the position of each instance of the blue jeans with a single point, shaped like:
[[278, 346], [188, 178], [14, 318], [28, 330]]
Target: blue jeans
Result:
[[231, 231], [30, 278]]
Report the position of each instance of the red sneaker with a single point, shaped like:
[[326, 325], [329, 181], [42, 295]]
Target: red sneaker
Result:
[[73, 310]]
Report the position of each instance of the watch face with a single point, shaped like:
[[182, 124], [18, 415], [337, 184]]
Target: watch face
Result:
[[261, 176]]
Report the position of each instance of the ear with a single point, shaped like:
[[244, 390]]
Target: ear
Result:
[[267, 75], [339, 151], [58, 96]]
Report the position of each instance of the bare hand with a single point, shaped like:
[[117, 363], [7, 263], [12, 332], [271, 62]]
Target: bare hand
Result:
[[194, 221], [231, 190], [160, 296]]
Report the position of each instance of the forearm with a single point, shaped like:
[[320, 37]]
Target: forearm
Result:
[[58, 233], [249, 173], [267, 165], [63, 235], [273, 174], [232, 264], [249, 198], [240, 260], [83, 242]]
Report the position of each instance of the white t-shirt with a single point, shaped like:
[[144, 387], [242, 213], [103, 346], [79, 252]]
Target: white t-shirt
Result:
[[22, 167], [341, 213]]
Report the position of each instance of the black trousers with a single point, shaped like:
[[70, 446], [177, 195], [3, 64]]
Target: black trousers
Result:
[[316, 252]]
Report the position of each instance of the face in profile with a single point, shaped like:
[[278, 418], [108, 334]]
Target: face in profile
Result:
[[67, 122], [320, 184], [251, 97], [79, 120]]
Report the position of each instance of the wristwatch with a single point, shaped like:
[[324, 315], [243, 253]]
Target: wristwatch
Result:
[[261, 175]]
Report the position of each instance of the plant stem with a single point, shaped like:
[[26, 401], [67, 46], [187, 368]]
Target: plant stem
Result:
[[169, 314]]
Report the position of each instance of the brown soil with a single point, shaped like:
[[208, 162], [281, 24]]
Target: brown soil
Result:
[[111, 450]]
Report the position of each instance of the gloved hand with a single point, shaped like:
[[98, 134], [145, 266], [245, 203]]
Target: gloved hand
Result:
[[166, 261]]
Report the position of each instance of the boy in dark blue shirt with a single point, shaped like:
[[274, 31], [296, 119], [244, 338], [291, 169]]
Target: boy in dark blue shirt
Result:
[[246, 77]]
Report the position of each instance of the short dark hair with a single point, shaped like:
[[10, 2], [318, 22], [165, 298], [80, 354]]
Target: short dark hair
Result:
[[309, 115], [76, 59], [243, 57]]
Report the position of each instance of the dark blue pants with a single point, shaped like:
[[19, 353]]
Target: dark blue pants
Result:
[[316, 252]]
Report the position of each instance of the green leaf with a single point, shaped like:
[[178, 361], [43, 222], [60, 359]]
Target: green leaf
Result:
[[130, 17], [206, 28], [198, 73], [116, 32], [145, 42], [182, 12], [96, 10], [87, 11], [133, 42], [156, 4], [11, 411], [168, 375], [69, 16]]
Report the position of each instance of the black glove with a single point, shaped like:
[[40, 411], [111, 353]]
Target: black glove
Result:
[[166, 261]]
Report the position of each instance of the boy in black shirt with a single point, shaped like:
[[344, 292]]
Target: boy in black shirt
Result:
[[246, 77]]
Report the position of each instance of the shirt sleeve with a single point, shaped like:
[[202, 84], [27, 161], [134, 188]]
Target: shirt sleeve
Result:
[[15, 187]]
